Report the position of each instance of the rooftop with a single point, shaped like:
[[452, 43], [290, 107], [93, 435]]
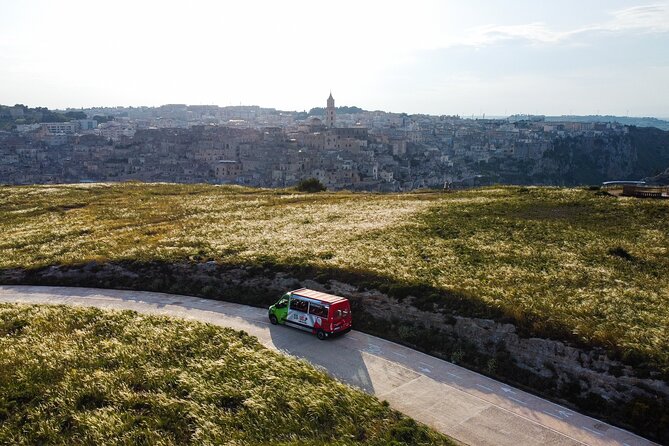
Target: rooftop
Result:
[[313, 294]]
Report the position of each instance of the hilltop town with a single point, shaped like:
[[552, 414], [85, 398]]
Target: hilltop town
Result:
[[344, 148]]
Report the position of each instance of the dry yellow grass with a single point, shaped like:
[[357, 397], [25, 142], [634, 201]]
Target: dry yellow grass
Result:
[[562, 261], [83, 376]]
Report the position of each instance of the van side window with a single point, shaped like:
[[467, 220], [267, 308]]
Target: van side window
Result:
[[318, 310], [298, 305]]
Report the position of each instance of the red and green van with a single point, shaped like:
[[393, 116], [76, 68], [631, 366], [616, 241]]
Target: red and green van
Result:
[[309, 310]]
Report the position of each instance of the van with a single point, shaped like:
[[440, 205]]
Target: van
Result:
[[309, 310]]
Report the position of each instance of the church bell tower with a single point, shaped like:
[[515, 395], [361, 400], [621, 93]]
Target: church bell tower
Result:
[[330, 113]]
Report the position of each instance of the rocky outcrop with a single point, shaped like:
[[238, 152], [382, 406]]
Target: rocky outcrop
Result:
[[566, 365], [661, 179]]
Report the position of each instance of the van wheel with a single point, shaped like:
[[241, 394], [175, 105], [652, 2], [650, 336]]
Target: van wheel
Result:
[[273, 319], [320, 334]]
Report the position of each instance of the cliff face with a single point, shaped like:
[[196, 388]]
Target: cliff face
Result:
[[642, 152], [661, 179]]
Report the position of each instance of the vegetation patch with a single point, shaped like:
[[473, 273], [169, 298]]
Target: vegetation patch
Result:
[[310, 185], [87, 376], [546, 259]]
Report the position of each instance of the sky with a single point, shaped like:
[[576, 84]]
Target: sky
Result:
[[460, 57]]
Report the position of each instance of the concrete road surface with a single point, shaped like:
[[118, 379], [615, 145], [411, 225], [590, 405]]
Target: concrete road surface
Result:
[[460, 403]]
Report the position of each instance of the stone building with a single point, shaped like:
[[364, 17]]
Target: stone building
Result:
[[330, 114]]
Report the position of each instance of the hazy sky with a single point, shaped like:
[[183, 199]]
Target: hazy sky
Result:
[[438, 57]]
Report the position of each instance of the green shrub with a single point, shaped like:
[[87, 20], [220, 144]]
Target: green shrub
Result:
[[310, 185]]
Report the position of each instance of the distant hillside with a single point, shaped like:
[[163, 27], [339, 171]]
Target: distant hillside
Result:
[[11, 116], [581, 160], [320, 111], [625, 120], [644, 151], [86, 376]]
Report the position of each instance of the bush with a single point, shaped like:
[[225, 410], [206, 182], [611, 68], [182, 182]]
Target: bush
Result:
[[310, 185]]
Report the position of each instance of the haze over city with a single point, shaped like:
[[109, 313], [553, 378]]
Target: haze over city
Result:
[[431, 57]]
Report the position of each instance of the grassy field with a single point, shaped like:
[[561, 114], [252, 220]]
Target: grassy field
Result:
[[87, 376], [567, 263]]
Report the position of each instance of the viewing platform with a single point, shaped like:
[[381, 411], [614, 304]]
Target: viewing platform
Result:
[[637, 189]]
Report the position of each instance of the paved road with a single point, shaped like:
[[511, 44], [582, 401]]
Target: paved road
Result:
[[465, 405]]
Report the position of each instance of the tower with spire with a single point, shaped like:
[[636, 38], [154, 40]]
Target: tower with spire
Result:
[[330, 113]]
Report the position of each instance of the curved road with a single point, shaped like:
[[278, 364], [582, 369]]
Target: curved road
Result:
[[460, 403]]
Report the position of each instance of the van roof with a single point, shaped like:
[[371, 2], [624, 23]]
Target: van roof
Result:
[[313, 294]]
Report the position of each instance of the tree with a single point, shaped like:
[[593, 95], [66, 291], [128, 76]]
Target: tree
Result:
[[75, 115]]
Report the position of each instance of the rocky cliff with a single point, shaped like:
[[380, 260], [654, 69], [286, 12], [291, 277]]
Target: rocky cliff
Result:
[[640, 153]]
